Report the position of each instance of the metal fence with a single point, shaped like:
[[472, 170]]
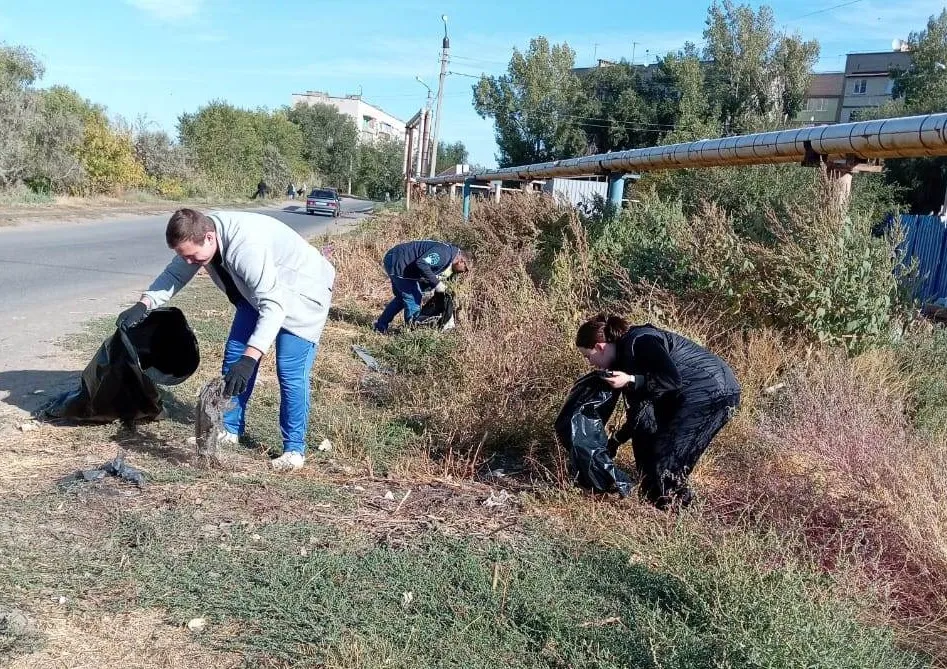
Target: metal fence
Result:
[[925, 241]]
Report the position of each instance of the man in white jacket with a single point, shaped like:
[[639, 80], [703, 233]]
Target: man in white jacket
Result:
[[281, 287]]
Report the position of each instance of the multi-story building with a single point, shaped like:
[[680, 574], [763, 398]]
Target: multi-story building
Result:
[[823, 101], [868, 81], [373, 123]]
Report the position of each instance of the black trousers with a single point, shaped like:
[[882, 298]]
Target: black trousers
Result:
[[666, 458]]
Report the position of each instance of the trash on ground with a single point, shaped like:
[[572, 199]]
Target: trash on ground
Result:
[[497, 498], [390, 496], [370, 361], [120, 382], [325, 446], [28, 426], [197, 624], [116, 467]]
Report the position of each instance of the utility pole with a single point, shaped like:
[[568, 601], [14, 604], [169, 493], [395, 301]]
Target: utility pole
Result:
[[445, 49], [423, 149]]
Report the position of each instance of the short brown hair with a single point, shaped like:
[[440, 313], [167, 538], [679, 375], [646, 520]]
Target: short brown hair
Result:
[[601, 330], [187, 225]]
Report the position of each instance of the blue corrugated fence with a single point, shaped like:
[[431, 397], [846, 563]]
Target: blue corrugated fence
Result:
[[925, 239]]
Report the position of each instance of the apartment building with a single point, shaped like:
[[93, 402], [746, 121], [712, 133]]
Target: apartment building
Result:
[[373, 123]]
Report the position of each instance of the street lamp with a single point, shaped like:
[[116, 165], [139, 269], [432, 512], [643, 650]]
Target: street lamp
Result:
[[429, 91]]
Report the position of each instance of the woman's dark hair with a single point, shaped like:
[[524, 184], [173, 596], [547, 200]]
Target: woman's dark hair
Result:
[[601, 330]]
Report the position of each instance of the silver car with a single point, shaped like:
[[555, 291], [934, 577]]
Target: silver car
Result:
[[324, 201]]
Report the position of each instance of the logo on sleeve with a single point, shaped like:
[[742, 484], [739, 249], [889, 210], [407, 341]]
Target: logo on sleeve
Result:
[[432, 258]]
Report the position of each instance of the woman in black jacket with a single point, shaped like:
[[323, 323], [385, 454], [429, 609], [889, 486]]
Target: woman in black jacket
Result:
[[678, 395]]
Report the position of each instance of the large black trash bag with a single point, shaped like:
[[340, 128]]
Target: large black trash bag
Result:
[[580, 427], [437, 312], [120, 382]]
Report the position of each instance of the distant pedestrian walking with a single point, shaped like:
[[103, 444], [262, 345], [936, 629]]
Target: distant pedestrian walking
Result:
[[261, 190], [291, 191]]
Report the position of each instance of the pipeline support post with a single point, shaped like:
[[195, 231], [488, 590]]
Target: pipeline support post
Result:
[[467, 189], [497, 185], [616, 191]]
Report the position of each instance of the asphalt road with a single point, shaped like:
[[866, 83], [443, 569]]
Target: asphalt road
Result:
[[54, 277]]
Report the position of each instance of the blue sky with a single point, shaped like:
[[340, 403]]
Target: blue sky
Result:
[[159, 58]]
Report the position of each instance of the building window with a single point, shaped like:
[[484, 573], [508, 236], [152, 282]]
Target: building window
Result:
[[860, 87]]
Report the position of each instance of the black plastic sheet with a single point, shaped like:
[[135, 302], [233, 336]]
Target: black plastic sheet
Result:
[[580, 428], [120, 382]]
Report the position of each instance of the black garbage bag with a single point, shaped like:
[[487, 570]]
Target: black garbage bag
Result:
[[437, 312], [580, 428], [120, 382]]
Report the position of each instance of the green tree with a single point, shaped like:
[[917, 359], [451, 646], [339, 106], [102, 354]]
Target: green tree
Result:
[[534, 105], [922, 89], [449, 155], [19, 69], [618, 112], [105, 153], [235, 147], [678, 93], [329, 141], [756, 75], [379, 169]]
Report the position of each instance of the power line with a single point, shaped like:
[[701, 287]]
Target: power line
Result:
[[827, 9]]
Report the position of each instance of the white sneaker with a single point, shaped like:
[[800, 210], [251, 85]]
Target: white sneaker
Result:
[[228, 438], [288, 461]]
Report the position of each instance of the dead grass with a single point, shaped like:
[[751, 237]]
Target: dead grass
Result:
[[458, 447], [140, 639]]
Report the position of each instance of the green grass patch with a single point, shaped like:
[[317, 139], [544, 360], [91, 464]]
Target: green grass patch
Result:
[[418, 351], [293, 593]]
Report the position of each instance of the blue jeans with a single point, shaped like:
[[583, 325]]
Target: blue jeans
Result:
[[294, 358], [407, 297]]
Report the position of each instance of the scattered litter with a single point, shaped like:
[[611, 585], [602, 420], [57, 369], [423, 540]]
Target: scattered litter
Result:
[[772, 390], [62, 600], [28, 426], [256, 538], [406, 599], [370, 361], [495, 474], [197, 624], [390, 496], [326, 445], [601, 623], [117, 468], [211, 407], [496, 499], [93, 475], [39, 391], [303, 552]]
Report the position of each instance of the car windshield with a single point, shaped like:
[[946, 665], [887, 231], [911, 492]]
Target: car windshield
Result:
[[326, 194]]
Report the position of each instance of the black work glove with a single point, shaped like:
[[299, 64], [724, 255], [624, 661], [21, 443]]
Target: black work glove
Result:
[[132, 316], [238, 376]]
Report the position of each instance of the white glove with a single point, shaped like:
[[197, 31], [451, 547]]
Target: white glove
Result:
[[440, 287]]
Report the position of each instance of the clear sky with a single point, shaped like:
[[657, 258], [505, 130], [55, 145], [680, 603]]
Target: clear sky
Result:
[[159, 58]]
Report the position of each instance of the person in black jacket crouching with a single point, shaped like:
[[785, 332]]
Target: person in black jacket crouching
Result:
[[678, 396]]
